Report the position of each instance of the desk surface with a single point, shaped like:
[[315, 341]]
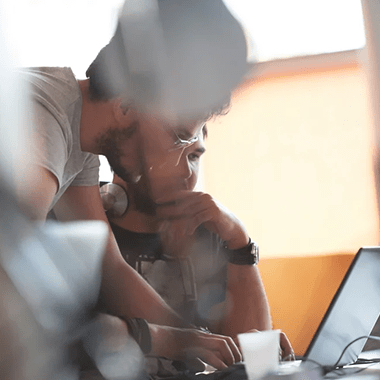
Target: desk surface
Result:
[[293, 371], [368, 371]]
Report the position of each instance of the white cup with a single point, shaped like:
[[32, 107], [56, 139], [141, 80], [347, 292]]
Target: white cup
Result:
[[261, 352]]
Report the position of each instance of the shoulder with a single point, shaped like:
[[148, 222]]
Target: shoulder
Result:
[[55, 100], [45, 77], [47, 74], [56, 88]]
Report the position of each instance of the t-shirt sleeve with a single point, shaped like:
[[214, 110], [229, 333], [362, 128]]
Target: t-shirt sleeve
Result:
[[54, 149], [51, 148], [89, 176]]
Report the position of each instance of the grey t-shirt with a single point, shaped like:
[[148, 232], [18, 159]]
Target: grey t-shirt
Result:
[[56, 105]]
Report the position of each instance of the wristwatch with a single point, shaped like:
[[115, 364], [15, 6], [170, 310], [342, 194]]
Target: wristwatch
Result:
[[138, 328], [248, 255]]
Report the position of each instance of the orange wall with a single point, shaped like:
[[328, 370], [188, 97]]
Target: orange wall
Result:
[[293, 159], [299, 291]]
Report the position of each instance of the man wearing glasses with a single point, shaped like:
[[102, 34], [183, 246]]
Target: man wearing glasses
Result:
[[77, 120], [191, 249]]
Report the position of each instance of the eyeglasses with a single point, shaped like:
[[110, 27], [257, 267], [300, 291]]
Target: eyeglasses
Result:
[[181, 143]]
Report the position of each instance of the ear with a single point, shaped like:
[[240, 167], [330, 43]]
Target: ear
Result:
[[122, 110]]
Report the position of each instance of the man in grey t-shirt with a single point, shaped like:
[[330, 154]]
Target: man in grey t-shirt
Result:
[[76, 120], [57, 108]]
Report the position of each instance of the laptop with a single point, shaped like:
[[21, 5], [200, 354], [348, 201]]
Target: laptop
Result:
[[351, 315], [347, 323]]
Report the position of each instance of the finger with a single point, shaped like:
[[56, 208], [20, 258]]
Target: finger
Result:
[[226, 347], [198, 219], [184, 222], [235, 349], [219, 348], [178, 206], [286, 347], [179, 209], [177, 196], [212, 358], [236, 341], [175, 200]]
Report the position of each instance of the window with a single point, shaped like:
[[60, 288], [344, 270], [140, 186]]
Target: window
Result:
[[282, 29]]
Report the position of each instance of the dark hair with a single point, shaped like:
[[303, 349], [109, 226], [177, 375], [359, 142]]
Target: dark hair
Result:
[[99, 72], [205, 54]]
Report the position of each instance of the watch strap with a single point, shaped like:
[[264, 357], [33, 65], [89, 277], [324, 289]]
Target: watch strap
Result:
[[138, 328], [248, 255]]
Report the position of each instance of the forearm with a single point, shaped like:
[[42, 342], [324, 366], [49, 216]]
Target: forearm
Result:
[[246, 302], [125, 293]]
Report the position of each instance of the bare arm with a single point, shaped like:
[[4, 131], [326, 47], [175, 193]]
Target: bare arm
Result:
[[246, 305], [173, 343], [247, 308], [123, 291], [246, 302]]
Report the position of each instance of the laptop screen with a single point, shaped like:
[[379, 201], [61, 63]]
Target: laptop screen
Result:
[[352, 313]]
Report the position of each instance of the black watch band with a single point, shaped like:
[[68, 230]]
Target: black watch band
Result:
[[139, 330], [248, 255]]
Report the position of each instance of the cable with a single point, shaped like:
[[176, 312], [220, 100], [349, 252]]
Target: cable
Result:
[[327, 369], [345, 349], [349, 344], [369, 361], [374, 337]]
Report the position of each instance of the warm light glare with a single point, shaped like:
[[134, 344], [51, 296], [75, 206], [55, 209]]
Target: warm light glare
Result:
[[293, 159], [283, 29]]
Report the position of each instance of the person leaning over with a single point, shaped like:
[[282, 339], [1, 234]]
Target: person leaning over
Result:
[[77, 120]]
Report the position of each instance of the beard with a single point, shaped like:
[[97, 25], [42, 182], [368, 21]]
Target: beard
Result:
[[110, 144], [142, 196]]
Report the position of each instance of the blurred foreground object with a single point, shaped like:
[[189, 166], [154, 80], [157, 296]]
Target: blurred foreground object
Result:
[[50, 274], [371, 13], [177, 58], [50, 279]]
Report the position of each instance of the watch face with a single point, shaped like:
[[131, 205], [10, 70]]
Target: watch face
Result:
[[255, 252]]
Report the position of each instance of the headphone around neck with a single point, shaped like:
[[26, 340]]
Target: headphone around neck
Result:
[[114, 199]]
